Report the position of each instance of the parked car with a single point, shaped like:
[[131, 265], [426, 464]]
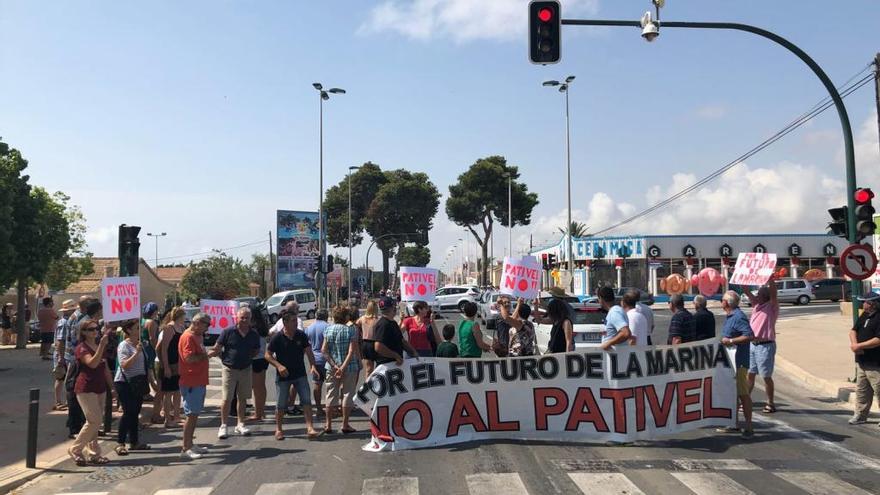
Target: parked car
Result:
[[252, 302], [488, 312], [453, 297], [305, 298], [792, 290], [645, 297], [588, 323], [833, 289], [544, 298]]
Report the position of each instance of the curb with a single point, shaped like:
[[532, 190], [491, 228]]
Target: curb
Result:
[[845, 396], [27, 475]]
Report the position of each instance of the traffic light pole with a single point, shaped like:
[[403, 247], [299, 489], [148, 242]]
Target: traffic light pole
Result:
[[817, 70], [367, 260]]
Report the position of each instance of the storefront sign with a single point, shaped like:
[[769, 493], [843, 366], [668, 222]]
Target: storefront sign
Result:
[[689, 251], [726, 251], [829, 250], [654, 251], [594, 248], [794, 250], [759, 248]]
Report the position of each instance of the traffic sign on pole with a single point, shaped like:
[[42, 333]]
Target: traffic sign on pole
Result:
[[858, 261]]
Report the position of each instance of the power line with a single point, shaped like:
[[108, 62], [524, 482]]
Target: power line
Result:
[[213, 251], [804, 118]]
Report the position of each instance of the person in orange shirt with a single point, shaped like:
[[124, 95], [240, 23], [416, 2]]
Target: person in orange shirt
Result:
[[193, 380]]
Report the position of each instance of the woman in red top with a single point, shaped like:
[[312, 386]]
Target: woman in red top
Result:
[[92, 382], [420, 330]]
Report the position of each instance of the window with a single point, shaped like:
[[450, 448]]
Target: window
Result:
[[796, 284], [589, 318]]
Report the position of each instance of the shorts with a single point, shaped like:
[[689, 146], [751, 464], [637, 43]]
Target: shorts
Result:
[[237, 382], [47, 338], [742, 382], [342, 390], [321, 374], [193, 399], [762, 358], [282, 390], [368, 351], [259, 365], [167, 384]]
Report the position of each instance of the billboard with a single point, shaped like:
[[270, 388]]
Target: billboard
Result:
[[298, 246]]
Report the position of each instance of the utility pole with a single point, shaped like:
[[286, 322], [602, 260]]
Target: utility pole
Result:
[[877, 88], [271, 271]]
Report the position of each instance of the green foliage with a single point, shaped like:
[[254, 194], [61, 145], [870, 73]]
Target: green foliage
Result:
[[365, 183], [480, 197], [77, 261], [577, 229], [13, 186], [217, 277], [413, 256]]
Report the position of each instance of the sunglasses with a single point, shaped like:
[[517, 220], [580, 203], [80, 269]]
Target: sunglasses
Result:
[[89, 329]]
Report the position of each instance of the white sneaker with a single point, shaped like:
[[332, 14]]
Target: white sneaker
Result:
[[191, 455], [223, 432], [199, 449], [242, 430], [857, 421]]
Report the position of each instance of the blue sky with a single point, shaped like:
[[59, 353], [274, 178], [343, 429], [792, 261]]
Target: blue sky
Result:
[[198, 118]]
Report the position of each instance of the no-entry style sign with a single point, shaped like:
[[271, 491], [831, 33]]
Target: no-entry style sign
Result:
[[121, 297], [858, 261], [417, 284], [222, 313], [521, 277]]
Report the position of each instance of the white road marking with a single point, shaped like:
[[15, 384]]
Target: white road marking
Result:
[[711, 484], [819, 483], [292, 488], [715, 464], [604, 484], [391, 486], [84, 493], [495, 483], [202, 490]]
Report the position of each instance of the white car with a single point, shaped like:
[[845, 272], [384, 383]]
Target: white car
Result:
[[589, 327], [305, 299], [487, 311], [453, 297]]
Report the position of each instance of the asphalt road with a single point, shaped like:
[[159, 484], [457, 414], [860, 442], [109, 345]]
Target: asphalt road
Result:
[[806, 447]]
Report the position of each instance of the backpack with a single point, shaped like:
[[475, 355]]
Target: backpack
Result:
[[72, 374]]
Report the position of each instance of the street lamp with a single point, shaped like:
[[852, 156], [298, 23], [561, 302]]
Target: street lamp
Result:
[[322, 249], [563, 88], [350, 170], [157, 236], [509, 213]]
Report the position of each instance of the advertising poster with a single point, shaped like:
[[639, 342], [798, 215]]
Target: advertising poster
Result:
[[298, 246]]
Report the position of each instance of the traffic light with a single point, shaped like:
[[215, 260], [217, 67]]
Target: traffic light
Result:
[[129, 245], [838, 225], [329, 263], [864, 213], [551, 260], [319, 264], [544, 264], [544, 32]]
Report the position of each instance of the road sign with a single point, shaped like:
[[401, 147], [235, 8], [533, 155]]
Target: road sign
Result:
[[858, 261]]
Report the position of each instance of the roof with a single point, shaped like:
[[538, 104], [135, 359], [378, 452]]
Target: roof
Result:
[[172, 274], [91, 282]]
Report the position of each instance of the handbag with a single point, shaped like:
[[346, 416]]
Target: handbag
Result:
[[139, 384]]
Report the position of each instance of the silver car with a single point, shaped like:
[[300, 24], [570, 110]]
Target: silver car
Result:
[[792, 290], [487, 311]]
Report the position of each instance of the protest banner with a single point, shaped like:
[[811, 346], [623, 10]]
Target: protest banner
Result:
[[521, 277], [753, 268], [417, 284], [633, 393], [121, 298], [222, 313]]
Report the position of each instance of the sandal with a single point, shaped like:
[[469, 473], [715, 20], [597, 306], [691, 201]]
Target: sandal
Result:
[[140, 446], [99, 460], [313, 435], [328, 431], [279, 435], [769, 408], [121, 450], [78, 458], [59, 407], [348, 431]]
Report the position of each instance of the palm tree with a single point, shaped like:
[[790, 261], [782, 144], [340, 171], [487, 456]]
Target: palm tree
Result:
[[577, 229]]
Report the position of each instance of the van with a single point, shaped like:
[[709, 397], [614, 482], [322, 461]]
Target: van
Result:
[[305, 299], [833, 289]]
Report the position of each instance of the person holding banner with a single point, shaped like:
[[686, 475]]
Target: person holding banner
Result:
[[521, 332], [389, 344], [737, 331], [419, 330], [131, 386], [470, 338], [562, 331], [616, 323], [765, 311], [92, 382]]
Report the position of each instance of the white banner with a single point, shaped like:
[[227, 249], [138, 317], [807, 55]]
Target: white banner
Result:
[[121, 298], [222, 313], [633, 393], [521, 277], [418, 284], [753, 268]]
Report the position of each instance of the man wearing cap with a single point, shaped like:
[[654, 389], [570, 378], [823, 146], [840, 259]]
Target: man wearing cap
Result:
[[59, 368], [237, 346], [390, 344], [762, 351], [193, 380], [864, 341]]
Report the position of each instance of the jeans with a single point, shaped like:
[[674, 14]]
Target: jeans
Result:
[[282, 390], [131, 413]]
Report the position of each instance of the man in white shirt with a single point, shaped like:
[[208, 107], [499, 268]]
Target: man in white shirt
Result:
[[645, 311], [292, 307], [638, 324]]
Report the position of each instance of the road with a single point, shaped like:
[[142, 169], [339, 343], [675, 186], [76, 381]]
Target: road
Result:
[[806, 447]]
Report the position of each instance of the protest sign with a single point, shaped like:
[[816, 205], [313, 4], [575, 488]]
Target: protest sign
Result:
[[121, 298], [521, 277], [633, 393], [417, 284], [222, 313], [753, 268]]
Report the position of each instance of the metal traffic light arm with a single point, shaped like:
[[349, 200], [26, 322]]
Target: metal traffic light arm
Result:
[[367, 260], [817, 70]]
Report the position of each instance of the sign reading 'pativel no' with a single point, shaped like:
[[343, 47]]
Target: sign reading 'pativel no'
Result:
[[753, 268]]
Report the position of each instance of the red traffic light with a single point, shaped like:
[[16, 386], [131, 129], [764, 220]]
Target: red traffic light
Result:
[[545, 15], [863, 195]]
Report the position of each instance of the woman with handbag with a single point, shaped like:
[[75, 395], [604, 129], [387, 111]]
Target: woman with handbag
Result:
[[131, 386], [92, 381]]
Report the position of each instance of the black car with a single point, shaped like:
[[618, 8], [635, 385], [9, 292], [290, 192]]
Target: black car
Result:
[[833, 289]]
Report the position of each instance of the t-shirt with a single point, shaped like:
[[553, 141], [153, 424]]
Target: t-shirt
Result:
[[90, 380], [238, 350], [648, 313], [467, 340], [737, 325], [417, 331], [388, 333], [338, 338], [47, 318], [522, 341], [763, 321], [447, 349], [124, 351], [290, 352], [682, 325], [279, 326], [615, 320], [61, 330], [503, 331], [868, 327], [315, 332], [704, 322], [638, 326], [192, 374]]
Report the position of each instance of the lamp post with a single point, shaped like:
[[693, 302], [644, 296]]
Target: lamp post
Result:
[[157, 236], [563, 88], [322, 248], [350, 170], [510, 214]]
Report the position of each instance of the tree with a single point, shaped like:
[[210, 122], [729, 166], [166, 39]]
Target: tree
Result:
[[257, 270], [365, 183], [218, 277], [577, 229], [12, 185], [413, 256], [479, 198], [77, 261]]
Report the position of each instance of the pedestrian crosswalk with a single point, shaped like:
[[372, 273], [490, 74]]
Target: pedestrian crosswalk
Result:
[[688, 479]]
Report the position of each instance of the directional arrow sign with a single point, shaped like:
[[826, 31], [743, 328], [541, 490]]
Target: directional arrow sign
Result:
[[858, 261]]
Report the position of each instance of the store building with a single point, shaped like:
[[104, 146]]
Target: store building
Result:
[[642, 261]]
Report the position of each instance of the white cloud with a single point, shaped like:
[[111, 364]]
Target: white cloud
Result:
[[711, 112], [460, 20]]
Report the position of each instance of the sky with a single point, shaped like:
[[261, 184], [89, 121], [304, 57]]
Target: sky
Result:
[[199, 119]]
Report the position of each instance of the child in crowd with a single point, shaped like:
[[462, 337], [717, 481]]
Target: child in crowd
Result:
[[446, 348]]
